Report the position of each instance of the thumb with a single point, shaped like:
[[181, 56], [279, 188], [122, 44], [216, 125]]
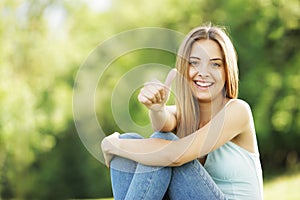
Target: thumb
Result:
[[170, 77]]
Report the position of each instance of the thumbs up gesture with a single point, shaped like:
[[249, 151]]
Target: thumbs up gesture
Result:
[[155, 94]]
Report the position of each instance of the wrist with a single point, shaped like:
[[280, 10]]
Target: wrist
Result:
[[111, 143], [115, 146], [156, 108]]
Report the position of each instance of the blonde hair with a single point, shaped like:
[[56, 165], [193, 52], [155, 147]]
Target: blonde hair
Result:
[[187, 105]]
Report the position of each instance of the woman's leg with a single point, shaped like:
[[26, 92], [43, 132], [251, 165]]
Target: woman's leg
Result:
[[151, 182], [122, 171], [191, 181], [137, 181]]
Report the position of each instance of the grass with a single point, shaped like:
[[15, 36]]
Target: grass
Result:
[[283, 187]]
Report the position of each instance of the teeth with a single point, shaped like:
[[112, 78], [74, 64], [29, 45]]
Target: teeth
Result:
[[203, 84]]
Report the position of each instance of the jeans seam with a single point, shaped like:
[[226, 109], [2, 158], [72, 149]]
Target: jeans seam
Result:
[[148, 188], [211, 187]]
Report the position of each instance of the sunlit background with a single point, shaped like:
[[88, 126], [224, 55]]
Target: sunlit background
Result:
[[44, 43]]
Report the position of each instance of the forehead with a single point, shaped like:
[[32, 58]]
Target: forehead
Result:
[[206, 49]]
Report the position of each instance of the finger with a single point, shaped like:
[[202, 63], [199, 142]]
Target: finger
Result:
[[144, 100], [162, 94], [106, 161], [170, 77], [159, 94], [156, 88], [116, 134], [152, 93], [147, 102], [150, 96], [142, 96]]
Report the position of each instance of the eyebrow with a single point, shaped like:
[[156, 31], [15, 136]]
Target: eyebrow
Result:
[[195, 57], [212, 59]]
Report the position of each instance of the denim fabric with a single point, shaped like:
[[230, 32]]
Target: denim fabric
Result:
[[134, 181]]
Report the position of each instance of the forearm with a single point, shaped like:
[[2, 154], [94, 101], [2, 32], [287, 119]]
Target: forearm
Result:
[[152, 151], [155, 151], [162, 120], [158, 152], [158, 118]]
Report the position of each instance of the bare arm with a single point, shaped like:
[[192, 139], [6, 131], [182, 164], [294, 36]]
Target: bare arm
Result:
[[163, 119], [154, 96], [230, 122]]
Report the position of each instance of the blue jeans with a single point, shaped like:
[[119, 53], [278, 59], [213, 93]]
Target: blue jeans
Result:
[[134, 181]]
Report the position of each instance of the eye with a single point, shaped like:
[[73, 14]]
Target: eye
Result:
[[215, 64], [193, 63]]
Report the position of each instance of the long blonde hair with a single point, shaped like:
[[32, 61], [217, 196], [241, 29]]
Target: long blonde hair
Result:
[[187, 105]]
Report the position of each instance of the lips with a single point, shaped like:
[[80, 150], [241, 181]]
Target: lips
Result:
[[203, 84]]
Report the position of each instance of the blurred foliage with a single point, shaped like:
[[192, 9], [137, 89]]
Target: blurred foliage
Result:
[[44, 42]]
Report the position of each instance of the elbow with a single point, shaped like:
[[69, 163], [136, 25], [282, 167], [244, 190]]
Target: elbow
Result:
[[183, 159], [169, 159], [157, 127], [177, 162], [162, 128]]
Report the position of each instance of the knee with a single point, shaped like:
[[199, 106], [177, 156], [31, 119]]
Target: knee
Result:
[[165, 135], [130, 136]]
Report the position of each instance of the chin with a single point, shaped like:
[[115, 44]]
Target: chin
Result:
[[203, 98]]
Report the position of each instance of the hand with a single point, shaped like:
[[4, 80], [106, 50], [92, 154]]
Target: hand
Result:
[[155, 94], [107, 144]]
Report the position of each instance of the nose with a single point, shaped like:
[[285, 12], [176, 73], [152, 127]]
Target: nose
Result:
[[202, 70]]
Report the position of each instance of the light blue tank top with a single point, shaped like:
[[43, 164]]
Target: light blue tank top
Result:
[[236, 171]]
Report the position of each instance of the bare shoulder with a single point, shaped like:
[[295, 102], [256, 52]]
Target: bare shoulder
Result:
[[244, 119], [238, 103], [239, 106], [239, 110]]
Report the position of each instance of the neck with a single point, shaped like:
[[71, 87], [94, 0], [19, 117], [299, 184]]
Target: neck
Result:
[[209, 109]]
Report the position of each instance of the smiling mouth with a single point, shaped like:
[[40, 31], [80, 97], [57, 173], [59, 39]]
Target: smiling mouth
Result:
[[203, 84]]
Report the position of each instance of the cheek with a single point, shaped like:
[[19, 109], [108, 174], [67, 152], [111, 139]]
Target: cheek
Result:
[[221, 75], [192, 72]]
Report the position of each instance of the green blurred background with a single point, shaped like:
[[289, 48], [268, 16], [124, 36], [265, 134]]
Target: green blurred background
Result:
[[44, 43]]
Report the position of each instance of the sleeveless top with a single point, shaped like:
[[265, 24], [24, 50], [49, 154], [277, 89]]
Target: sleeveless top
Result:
[[236, 171]]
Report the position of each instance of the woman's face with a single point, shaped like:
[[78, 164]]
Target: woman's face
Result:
[[206, 70]]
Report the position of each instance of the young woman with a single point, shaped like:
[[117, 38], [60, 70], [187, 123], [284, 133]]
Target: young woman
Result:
[[214, 154]]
